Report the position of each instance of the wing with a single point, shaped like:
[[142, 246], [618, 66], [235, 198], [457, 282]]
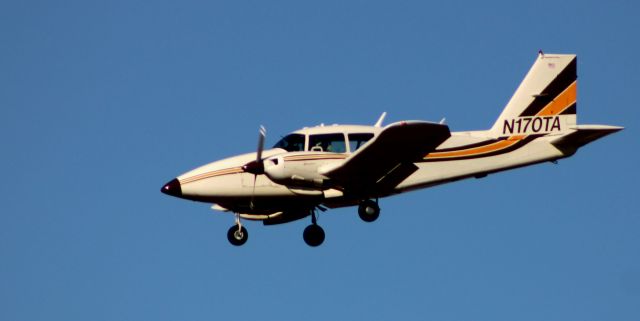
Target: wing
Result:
[[389, 158]]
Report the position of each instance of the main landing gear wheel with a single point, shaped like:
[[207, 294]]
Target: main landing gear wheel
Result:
[[369, 210], [237, 235], [313, 235]]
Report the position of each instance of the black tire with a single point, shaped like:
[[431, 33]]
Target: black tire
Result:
[[369, 211], [313, 235], [236, 237]]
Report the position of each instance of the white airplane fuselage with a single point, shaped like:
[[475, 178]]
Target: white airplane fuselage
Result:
[[224, 182]]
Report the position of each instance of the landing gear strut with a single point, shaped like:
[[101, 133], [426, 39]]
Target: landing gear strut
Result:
[[237, 234], [369, 210], [313, 234]]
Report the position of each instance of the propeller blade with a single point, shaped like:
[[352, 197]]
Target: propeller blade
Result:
[[263, 133], [256, 167], [253, 193]]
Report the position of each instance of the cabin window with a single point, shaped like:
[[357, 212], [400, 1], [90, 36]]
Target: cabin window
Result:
[[333, 143], [291, 143], [357, 140]]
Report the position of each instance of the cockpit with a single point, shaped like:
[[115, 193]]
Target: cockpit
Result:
[[331, 142]]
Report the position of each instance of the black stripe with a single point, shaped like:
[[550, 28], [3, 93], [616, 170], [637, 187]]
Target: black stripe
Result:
[[511, 148], [569, 111], [558, 85], [474, 145]]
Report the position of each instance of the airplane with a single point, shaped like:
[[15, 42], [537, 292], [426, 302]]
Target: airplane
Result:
[[352, 165]]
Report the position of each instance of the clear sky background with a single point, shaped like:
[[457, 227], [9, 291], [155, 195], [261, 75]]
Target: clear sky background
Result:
[[102, 102]]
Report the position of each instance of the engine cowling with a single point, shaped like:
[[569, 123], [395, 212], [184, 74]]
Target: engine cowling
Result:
[[293, 173]]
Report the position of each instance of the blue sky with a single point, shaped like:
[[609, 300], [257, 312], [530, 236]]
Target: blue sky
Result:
[[103, 102]]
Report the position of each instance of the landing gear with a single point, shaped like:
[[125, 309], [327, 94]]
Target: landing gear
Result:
[[313, 234], [237, 234], [369, 210]]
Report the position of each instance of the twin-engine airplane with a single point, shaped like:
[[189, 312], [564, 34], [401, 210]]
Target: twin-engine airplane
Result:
[[336, 166]]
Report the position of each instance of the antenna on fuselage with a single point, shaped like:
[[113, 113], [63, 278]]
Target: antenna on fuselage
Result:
[[380, 120]]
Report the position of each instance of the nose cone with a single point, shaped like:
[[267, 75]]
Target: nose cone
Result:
[[172, 188]]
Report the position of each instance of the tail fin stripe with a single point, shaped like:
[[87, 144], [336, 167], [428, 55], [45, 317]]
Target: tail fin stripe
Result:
[[563, 101], [557, 86]]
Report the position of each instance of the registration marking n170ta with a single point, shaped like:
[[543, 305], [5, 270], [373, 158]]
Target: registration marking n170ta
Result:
[[537, 124]]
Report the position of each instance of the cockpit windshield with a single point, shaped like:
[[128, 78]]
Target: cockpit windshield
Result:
[[291, 143]]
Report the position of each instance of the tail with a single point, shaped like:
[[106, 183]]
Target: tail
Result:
[[545, 101]]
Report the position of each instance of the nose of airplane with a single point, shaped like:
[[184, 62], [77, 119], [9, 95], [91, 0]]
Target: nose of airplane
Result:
[[172, 188]]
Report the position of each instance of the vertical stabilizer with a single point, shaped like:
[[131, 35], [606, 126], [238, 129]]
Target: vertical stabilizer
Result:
[[545, 101]]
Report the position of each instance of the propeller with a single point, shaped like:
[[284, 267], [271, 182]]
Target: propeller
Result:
[[256, 167]]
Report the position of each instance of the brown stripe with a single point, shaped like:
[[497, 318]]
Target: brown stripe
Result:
[[227, 171], [314, 157]]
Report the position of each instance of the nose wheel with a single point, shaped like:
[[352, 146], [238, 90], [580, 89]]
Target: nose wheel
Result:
[[237, 234], [313, 234], [369, 210]]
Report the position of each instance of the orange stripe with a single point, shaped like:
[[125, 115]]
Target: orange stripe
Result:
[[562, 102], [478, 150]]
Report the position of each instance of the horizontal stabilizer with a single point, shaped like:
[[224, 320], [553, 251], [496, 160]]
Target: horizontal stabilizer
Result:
[[583, 135]]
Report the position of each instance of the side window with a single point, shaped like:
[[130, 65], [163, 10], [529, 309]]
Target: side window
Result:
[[333, 143], [357, 140]]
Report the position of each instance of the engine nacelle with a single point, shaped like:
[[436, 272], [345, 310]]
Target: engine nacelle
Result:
[[293, 174]]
